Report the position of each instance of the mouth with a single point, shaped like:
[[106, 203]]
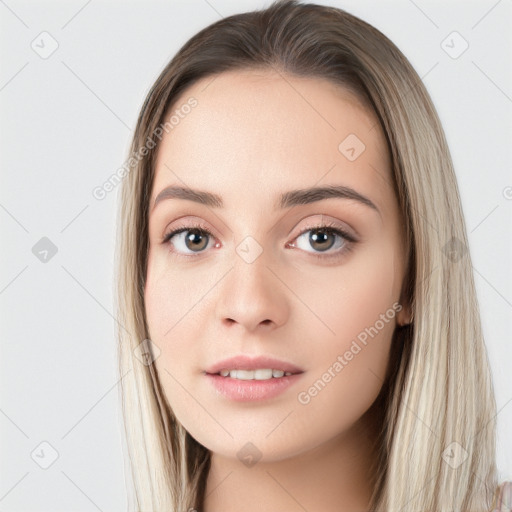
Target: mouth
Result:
[[245, 367], [245, 378], [259, 374]]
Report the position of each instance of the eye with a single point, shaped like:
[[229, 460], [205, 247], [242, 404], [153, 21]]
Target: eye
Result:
[[188, 240], [323, 238], [194, 239]]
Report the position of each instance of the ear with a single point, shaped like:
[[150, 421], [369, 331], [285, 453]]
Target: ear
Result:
[[406, 315]]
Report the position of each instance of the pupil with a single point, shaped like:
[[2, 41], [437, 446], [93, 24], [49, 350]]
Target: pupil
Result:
[[319, 239]]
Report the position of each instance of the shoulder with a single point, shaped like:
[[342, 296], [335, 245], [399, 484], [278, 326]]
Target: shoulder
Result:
[[503, 498]]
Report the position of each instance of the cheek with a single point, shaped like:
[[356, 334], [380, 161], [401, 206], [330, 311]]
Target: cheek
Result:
[[351, 297], [171, 303], [359, 307], [170, 296], [175, 301]]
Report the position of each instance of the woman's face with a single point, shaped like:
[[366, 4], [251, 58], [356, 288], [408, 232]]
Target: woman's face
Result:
[[270, 281]]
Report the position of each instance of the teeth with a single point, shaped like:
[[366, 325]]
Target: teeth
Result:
[[259, 374]]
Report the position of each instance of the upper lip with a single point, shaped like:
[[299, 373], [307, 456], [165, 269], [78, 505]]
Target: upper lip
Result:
[[245, 362]]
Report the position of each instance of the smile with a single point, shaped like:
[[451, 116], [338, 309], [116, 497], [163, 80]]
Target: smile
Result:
[[259, 374]]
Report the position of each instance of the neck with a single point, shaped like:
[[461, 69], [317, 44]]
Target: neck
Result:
[[333, 477]]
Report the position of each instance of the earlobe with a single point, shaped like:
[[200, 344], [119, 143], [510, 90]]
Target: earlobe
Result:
[[405, 316]]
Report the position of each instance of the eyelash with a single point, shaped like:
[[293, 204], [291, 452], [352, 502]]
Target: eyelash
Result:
[[329, 227]]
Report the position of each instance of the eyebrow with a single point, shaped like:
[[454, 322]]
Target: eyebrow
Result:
[[285, 200]]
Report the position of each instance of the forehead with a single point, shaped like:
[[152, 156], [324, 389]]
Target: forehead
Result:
[[253, 130]]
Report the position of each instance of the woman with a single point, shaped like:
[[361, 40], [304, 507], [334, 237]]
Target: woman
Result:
[[263, 370]]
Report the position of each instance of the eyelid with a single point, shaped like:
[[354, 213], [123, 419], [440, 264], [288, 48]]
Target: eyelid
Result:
[[347, 231], [187, 226], [187, 221]]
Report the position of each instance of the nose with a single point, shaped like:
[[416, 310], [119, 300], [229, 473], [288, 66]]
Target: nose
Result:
[[253, 296]]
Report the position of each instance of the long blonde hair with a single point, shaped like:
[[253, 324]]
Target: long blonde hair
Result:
[[436, 449]]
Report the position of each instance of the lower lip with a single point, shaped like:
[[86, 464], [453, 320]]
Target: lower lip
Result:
[[251, 390]]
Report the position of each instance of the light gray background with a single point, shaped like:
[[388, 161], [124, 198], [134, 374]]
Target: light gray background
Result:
[[66, 123]]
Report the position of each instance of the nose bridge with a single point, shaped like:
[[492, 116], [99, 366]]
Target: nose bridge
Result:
[[251, 293], [251, 267]]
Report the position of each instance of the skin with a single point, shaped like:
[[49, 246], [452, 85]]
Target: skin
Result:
[[253, 135]]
